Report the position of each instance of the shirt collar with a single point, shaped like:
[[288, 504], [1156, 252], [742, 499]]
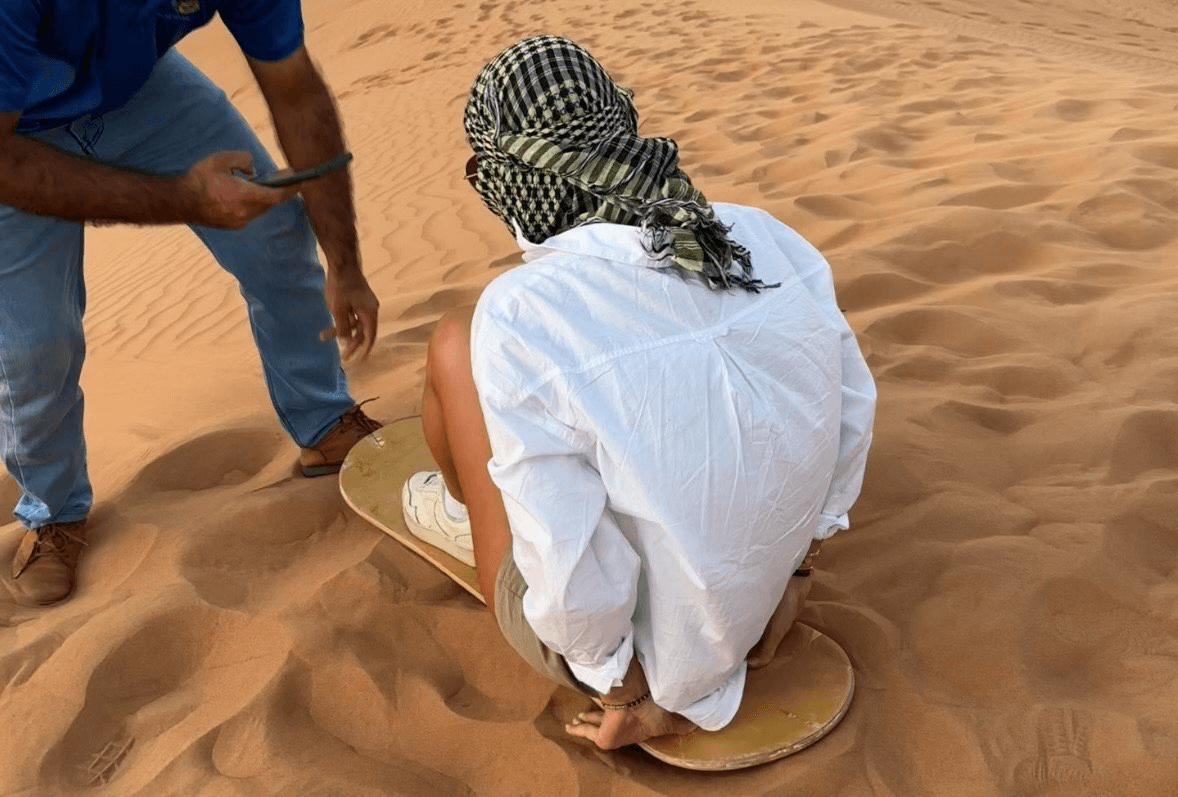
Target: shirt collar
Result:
[[621, 243]]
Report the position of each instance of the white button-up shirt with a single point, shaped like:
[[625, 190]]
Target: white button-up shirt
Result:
[[665, 452]]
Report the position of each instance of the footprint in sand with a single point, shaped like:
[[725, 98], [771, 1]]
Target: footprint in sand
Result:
[[956, 330], [106, 762], [1061, 763], [927, 252], [1003, 420], [1147, 440], [1123, 220], [1164, 155], [149, 665], [879, 289], [373, 35], [242, 554], [20, 662], [1071, 110], [834, 206], [1160, 192], [1054, 291], [1038, 378], [180, 673], [1081, 642], [216, 459], [1002, 197], [441, 301], [1146, 536]]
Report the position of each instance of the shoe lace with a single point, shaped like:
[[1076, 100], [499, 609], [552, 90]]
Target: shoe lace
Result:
[[55, 539], [355, 417]]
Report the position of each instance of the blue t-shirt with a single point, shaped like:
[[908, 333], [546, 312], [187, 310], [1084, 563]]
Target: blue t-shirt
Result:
[[63, 59]]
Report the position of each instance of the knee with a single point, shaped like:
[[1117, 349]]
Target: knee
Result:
[[449, 346]]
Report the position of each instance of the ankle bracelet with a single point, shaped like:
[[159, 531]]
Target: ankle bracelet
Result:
[[624, 706]]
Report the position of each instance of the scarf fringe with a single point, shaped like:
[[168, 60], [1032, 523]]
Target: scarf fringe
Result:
[[722, 264]]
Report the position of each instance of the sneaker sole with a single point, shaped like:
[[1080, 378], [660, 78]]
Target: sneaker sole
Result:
[[312, 471], [433, 538]]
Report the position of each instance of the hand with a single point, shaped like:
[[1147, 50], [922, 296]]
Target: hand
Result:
[[353, 308], [796, 592], [222, 199]]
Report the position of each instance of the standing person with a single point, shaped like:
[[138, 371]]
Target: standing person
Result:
[[645, 428], [102, 122]]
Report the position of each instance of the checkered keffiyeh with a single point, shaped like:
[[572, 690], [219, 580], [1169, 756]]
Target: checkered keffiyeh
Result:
[[558, 146]]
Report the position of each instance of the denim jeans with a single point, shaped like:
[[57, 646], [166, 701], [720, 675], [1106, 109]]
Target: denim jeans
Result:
[[177, 118]]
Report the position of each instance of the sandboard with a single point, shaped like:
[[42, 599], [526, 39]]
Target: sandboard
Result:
[[371, 479], [788, 705]]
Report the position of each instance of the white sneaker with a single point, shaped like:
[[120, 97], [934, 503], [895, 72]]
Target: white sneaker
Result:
[[421, 501]]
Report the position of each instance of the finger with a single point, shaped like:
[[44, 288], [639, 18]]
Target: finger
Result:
[[757, 658], [761, 655], [368, 325], [353, 337], [766, 649], [274, 196], [257, 199], [593, 717], [342, 326], [279, 173], [758, 650], [236, 159]]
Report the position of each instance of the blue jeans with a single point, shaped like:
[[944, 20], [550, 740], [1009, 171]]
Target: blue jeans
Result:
[[175, 120]]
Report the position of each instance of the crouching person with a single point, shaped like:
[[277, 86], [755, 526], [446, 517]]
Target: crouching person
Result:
[[643, 429]]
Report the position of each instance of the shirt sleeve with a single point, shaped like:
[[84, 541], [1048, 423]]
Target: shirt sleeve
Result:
[[266, 30], [19, 23], [581, 572], [858, 387]]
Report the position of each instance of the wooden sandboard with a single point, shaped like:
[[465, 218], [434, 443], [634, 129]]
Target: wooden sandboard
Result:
[[788, 705], [371, 479]]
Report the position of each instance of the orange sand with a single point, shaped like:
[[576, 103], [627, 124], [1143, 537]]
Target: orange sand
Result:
[[994, 184]]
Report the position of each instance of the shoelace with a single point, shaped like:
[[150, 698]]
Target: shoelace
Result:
[[53, 539], [356, 417]]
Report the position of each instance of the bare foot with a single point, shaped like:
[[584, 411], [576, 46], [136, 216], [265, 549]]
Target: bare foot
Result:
[[612, 729], [782, 620]]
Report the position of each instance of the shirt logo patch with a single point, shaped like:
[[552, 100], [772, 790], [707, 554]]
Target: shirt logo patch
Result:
[[186, 7]]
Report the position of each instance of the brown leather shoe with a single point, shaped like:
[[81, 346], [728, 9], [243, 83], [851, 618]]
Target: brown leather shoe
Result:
[[46, 560], [327, 456]]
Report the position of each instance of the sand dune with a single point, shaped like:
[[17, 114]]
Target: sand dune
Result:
[[994, 185]]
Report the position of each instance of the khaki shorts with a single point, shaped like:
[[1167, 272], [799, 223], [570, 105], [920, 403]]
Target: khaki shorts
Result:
[[509, 613]]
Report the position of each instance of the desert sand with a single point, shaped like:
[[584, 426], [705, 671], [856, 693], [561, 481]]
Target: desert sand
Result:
[[994, 184]]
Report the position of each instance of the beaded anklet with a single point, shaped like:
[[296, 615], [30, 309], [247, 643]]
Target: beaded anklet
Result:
[[624, 706]]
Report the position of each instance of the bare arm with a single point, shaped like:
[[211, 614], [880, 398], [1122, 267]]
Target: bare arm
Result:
[[45, 180], [308, 128], [42, 179]]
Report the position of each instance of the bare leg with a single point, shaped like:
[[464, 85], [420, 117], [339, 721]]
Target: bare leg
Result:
[[452, 422], [434, 430], [782, 620]]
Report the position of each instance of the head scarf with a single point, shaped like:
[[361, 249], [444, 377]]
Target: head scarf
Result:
[[558, 146]]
